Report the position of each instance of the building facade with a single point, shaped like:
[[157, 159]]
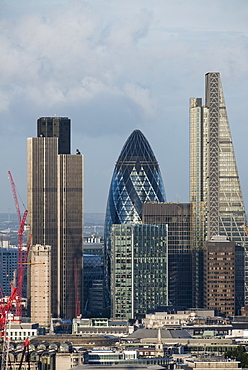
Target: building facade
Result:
[[215, 192], [59, 127], [55, 204], [139, 263], [219, 275], [40, 290], [8, 266], [136, 180], [177, 217]]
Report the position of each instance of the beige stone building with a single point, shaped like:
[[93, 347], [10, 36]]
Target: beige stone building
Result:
[[40, 268]]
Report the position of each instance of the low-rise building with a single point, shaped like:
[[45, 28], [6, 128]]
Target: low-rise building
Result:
[[20, 331], [104, 326]]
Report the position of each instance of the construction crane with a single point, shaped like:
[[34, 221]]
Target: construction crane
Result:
[[16, 292], [21, 256], [5, 318]]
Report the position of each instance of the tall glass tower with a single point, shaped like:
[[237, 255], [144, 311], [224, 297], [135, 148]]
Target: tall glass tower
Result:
[[136, 180], [217, 206], [139, 265]]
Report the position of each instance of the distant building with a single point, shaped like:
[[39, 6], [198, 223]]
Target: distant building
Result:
[[93, 276], [93, 284], [177, 217], [55, 205], [8, 266], [139, 275], [101, 326], [219, 275]]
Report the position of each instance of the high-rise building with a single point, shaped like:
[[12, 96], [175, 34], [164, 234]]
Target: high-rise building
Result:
[[59, 127], [215, 192], [55, 205], [136, 180], [138, 269], [219, 275], [177, 217]]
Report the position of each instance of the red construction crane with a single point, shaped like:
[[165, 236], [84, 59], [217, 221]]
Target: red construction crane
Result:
[[5, 310], [21, 255]]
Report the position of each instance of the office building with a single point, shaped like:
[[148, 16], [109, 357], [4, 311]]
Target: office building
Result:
[[177, 217], [139, 262], [41, 284], [93, 276], [93, 284], [219, 275], [55, 204], [136, 180], [217, 206]]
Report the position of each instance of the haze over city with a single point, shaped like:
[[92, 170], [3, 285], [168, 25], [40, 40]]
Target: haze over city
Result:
[[112, 67]]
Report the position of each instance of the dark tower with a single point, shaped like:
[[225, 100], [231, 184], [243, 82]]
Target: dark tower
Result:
[[59, 127]]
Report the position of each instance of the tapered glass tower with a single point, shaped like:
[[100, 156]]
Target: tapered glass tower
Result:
[[217, 206], [136, 180]]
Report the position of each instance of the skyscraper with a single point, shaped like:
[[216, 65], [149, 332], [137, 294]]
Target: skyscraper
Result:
[[177, 217], [139, 263], [217, 206], [136, 180], [55, 204], [219, 276]]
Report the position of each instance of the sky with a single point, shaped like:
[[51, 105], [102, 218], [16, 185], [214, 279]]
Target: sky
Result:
[[114, 66]]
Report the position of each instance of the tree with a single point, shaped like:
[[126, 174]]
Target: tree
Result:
[[239, 354]]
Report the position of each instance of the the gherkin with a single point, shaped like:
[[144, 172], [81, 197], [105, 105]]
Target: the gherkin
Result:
[[136, 180]]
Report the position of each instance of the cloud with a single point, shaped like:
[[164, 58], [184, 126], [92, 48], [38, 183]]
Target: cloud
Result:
[[113, 66], [141, 96], [78, 51]]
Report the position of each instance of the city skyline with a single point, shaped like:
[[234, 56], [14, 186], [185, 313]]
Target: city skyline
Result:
[[115, 70]]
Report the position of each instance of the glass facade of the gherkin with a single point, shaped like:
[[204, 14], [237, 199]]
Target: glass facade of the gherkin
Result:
[[136, 180]]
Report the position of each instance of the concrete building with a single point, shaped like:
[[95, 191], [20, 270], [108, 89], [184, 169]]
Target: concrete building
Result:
[[55, 204], [101, 326], [217, 206], [139, 275], [21, 331], [177, 217], [219, 275], [40, 272]]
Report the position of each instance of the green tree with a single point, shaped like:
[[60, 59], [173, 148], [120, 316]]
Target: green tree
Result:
[[239, 354]]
